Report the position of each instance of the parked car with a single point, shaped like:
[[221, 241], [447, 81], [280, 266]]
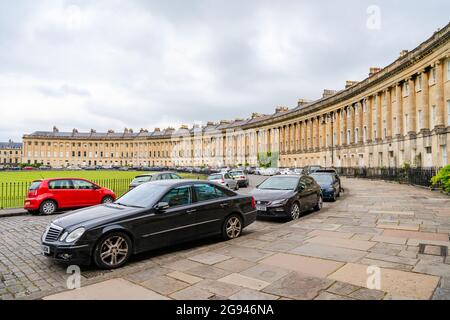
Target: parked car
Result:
[[224, 179], [143, 178], [270, 171], [251, 170], [240, 177], [310, 169], [298, 171], [328, 183], [287, 196], [336, 175], [49, 195], [124, 169], [74, 168], [28, 168], [153, 215]]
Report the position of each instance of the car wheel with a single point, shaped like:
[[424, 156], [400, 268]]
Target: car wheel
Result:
[[232, 227], [334, 197], [113, 250], [319, 204], [48, 207], [295, 211], [107, 199]]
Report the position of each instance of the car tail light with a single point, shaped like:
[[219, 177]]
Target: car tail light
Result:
[[223, 180], [242, 177], [253, 203]]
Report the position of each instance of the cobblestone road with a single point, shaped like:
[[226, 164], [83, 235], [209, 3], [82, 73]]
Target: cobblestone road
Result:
[[401, 229]]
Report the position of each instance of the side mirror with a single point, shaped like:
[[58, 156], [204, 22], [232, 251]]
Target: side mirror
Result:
[[96, 187], [161, 206]]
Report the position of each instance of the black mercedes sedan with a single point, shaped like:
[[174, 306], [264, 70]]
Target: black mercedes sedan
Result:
[[153, 215], [287, 196]]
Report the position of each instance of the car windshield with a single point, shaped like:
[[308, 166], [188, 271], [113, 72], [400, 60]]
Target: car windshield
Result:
[[143, 196], [141, 179], [322, 178], [237, 173], [279, 183], [215, 177]]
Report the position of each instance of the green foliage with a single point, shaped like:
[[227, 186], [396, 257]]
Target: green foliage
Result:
[[442, 178]]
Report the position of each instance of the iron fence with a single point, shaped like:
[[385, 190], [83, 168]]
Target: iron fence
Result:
[[13, 194], [415, 176]]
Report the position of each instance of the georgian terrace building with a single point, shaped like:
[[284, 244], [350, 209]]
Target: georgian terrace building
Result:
[[399, 114], [10, 153]]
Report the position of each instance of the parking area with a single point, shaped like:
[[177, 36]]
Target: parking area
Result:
[[398, 232]]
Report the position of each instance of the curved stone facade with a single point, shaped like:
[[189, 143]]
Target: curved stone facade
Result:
[[399, 114]]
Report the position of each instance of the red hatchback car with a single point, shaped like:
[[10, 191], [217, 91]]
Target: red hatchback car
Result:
[[48, 195]]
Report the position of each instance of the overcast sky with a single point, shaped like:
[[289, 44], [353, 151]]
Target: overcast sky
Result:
[[111, 64]]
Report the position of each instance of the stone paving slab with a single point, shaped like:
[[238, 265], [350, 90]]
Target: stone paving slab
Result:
[[387, 239], [307, 265], [184, 277], [330, 234], [395, 282], [298, 286], [329, 252], [399, 227], [209, 258], [244, 281], [416, 235], [401, 213], [164, 285], [266, 272], [342, 243], [114, 289]]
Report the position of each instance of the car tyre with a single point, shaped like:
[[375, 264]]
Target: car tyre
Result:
[[237, 187], [232, 227], [48, 207], [107, 199], [113, 250], [319, 204], [295, 211]]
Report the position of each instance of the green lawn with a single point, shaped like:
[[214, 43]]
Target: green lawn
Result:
[[14, 185]]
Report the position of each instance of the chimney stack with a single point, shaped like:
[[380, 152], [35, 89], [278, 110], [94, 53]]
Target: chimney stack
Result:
[[403, 53], [280, 109], [328, 93], [373, 70], [350, 83]]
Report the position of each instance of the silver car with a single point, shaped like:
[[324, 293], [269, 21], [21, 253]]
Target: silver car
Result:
[[241, 177], [224, 179]]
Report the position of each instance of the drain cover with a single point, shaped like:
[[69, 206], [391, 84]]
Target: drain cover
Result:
[[433, 250]]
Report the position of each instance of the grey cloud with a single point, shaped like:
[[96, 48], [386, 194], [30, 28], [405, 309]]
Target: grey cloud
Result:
[[140, 63]]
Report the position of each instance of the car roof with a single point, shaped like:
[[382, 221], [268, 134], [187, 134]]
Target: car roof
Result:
[[176, 182], [286, 176]]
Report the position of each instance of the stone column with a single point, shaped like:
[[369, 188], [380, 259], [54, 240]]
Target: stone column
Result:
[[440, 103], [388, 113], [379, 117], [324, 124], [317, 132], [361, 122], [344, 125], [369, 118], [351, 123], [425, 101], [338, 127], [412, 106], [399, 109]]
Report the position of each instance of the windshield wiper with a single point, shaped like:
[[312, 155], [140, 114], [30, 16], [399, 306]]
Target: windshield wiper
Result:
[[127, 205]]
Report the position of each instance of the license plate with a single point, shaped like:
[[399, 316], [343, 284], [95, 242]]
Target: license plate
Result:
[[45, 249], [261, 208]]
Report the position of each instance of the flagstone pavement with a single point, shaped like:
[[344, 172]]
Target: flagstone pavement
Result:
[[378, 241]]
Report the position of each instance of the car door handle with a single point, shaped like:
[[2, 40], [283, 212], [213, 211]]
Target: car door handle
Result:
[[223, 205], [191, 211]]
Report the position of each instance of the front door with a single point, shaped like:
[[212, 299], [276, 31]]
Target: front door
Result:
[[85, 193], [62, 192], [174, 224]]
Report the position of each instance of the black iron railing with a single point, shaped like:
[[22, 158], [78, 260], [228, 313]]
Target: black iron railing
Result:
[[415, 176]]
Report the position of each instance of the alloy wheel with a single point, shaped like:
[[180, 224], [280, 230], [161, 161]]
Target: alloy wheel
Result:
[[48, 207], [233, 227], [295, 211], [107, 200], [114, 251]]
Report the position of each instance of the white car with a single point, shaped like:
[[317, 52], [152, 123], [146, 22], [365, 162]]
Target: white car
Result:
[[224, 179]]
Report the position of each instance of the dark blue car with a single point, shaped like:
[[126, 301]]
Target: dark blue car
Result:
[[329, 184]]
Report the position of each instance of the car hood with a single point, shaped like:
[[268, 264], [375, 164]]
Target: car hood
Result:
[[271, 195], [325, 185], [92, 216]]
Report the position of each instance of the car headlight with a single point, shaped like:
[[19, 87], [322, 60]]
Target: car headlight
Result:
[[75, 235], [64, 236], [330, 189], [278, 202]]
